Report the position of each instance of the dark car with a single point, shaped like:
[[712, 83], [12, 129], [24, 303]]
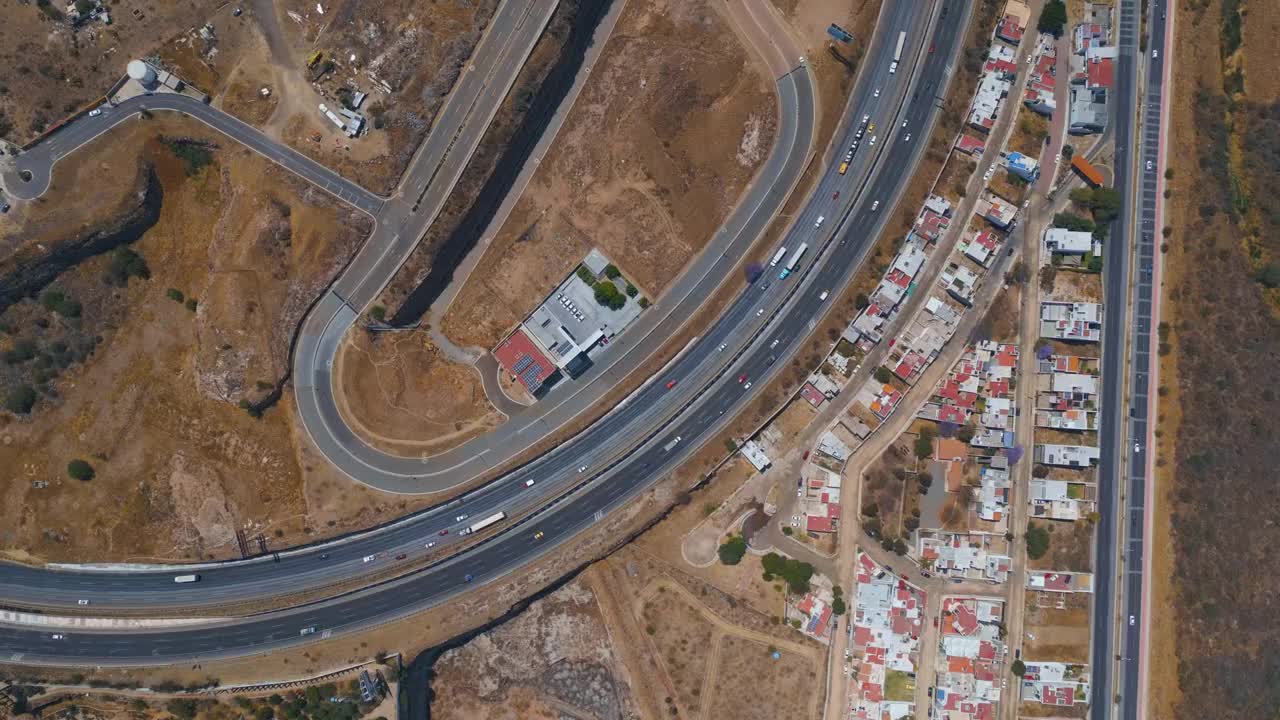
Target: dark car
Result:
[[470, 577], [402, 556]]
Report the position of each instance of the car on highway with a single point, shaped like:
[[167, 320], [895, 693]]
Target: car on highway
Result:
[[1150, 166], [307, 630], [723, 346], [443, 532], [835, 195], [871, 126], [537, 535], [772, 359], [742, 378], [1137, 447], [402, 556], [469, 577], [875, 206], [876, 93], [931, 48], [866, 119], [764, 286], [824, 295], [528, 483], [671, 384], [582, 468], [57, 636], [907, 138], [82, 601], [368, 558], [774, 344], [95, 112], [430, 545], [1155, 54], [759, 312], [747, 386], [1130, 621], [461, 517], [818, 223], [872, 141]]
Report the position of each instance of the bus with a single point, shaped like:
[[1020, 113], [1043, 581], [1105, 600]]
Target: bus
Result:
[[186, 578], [777, 257], [795, 258], [897, 53], [491, 520]]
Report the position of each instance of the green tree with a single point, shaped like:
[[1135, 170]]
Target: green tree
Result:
[[1018, 668], [586, 275], [632, 291], [883, 375], [794, 572], [80, 470], [611, 271], [607, 295], [1053, 18], [1037, 541], [838, 607], [924, 441], [175, 295], [20, 399], [126, 264], [1074, 222], [378, 313], [191, 304], [732, 550]]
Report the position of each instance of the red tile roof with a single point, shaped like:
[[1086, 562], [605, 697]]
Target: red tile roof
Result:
[[520, 356], [819, 524], [810, 393], [1102, 73]]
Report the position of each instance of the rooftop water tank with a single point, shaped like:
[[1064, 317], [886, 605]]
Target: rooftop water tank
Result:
[[141, 72]]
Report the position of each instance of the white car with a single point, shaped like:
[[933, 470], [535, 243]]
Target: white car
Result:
[[307, 630], [1155, 54], [904, 123], [57, 636], [582, 469], [907, 138], [1130, 621], [1137, 447], [872, 142], [759, 312], [875, 206], [528, 483], [369, 558], [461, 517], [723, 346], [95, 112], [773, 344], [82, 602], [1150, 166], [747, 386], [876, 93], [430, 545], [818, 222]]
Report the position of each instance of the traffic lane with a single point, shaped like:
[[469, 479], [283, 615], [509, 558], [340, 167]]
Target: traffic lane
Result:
[[269, 569], [371, 457], [270, 633], [166, 577]]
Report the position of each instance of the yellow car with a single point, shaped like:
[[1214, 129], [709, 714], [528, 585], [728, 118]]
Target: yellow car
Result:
[[871, 126], [537, 535]]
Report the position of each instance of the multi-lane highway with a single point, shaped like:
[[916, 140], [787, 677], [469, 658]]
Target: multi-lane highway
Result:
[[550, 475], [771, 320], [1127, 361]]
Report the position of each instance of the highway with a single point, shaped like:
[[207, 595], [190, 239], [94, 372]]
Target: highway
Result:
[[321, 566], [785, 313], [1128, 324]]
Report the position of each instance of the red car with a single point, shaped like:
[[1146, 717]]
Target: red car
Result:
[[931, 49], [671, 384], [835, 195], [443, 532], [742, 378]]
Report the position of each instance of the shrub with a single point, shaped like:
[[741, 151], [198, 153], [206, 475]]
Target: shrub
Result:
[[195, 155], [191, 304], [924, 442], [1018, 668], [175, 295], [378, 313], [611, 271], [1053, 18], [20, 399], [80, 470], [126, 264], [838, 607], [585, 275], [1037, 541], [644, 302], [883, 375], [796, 573], [632, 291]]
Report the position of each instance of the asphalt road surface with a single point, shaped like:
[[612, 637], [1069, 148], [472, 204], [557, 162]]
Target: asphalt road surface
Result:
[[41, 159], [1127, 317], [773, 322], [550, 475]]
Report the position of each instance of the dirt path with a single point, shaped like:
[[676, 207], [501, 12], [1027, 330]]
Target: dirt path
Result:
[[606, 582]]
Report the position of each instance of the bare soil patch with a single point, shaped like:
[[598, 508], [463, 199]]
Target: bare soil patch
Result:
[[659, 146], [1070, 547], [400, 393], [178, 467], [1056, 628]]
